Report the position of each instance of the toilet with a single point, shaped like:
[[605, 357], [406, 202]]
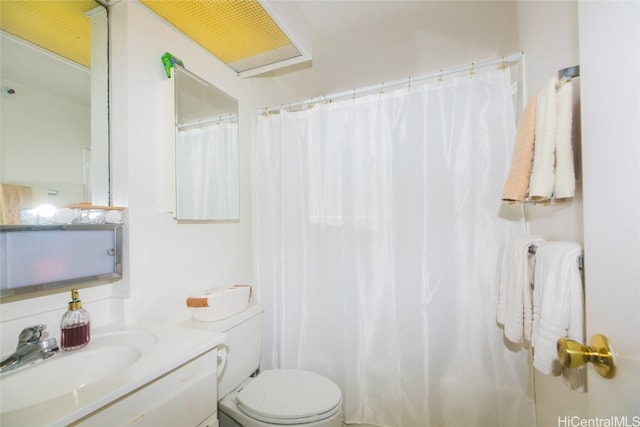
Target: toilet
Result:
[[278, 397]]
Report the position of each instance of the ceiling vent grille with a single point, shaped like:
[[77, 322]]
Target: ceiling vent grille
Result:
[[241, 33], [40, 23]]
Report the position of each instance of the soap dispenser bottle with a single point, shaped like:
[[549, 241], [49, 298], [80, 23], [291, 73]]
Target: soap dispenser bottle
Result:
[[75, 325]]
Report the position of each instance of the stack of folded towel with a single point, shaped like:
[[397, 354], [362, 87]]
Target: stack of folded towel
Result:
[[515, 309], [542, 167], [541, 300], [558, 307]]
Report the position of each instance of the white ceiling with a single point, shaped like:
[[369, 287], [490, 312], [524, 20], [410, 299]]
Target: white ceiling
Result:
[[362, 43]]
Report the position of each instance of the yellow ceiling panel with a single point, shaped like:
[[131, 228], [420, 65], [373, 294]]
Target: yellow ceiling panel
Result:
[[59, 26], [232, 30]]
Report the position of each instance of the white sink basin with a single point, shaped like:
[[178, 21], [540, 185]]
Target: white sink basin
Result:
[[66, 372], [118, 361]]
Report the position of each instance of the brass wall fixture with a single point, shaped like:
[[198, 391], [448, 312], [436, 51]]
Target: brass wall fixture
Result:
[[573, 354]]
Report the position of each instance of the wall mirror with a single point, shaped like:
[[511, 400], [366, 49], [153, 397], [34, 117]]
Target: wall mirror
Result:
[[54, 104], [206, 150]]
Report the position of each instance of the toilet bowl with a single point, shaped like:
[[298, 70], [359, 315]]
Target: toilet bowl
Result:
[[277, 397], [284, 397]]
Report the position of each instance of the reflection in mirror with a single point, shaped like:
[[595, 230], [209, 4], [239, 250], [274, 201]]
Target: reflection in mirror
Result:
[[206, 150], [54, 105]]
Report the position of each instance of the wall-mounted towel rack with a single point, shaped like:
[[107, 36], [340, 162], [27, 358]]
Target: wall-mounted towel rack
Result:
[[569, 72], [580, 260]]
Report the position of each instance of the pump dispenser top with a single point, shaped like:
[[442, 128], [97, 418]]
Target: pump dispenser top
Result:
[[75, 324], [75, 303]]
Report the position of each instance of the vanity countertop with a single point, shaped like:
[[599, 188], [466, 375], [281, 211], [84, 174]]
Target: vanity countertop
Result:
[[167, 348]]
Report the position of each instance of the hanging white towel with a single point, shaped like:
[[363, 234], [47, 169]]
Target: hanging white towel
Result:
[[558, 305], [565, 179], [543, 171], [516, 275]]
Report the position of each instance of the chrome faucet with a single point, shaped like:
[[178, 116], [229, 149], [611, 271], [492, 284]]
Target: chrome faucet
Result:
[[30, 348]]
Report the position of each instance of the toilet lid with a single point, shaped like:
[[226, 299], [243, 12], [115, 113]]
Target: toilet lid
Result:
[[289, 395]]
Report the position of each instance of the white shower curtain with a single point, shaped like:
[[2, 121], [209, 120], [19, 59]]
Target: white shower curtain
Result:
[[378, 244]]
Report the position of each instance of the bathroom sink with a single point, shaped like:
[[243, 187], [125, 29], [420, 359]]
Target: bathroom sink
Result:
[[119, 363], [67, 372]]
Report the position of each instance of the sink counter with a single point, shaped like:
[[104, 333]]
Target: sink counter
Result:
[[117, 361]]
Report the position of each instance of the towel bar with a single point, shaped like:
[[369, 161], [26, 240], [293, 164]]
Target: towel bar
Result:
[[579, 260], [569, 72]]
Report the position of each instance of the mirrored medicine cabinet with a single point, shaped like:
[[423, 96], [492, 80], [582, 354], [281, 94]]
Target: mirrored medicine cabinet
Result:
[[203, 147]]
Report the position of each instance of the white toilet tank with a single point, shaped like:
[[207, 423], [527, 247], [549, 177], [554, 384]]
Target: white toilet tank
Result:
[[243, 346]]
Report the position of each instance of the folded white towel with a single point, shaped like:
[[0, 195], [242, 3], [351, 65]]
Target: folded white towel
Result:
[[565, 179], [558, 303], [542, 178], [514, 303]]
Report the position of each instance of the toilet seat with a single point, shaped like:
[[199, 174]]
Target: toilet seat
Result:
[[289, 396]]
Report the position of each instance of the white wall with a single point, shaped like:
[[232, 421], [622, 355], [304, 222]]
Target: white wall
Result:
[[548, 34], [166, 261]]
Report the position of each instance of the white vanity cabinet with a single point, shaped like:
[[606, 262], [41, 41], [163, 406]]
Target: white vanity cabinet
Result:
[[134, 375], [183, 397]]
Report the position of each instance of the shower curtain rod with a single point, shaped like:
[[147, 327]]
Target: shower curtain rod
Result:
[[206, 122], [503, 61]]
